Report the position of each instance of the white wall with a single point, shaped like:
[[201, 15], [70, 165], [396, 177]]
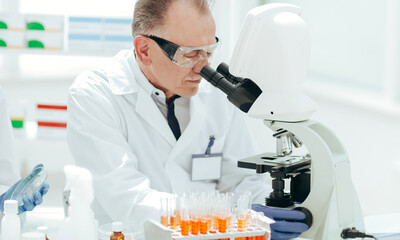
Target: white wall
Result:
[[372, 139]]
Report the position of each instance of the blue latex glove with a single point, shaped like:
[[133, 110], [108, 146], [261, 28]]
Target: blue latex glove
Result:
[[285, 226], [29, 203]]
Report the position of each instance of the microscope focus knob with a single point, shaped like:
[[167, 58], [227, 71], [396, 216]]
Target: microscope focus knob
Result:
[[309, 218]]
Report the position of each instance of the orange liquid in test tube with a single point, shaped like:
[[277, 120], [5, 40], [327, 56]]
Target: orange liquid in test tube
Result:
[[164, 220], [249, 238], [203, 226], [194, 227], [241, 224], [222, 225], [173, 222], [259, 237], [185, 227]]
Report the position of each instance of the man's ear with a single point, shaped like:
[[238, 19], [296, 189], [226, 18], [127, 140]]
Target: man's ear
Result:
[[142, 49]]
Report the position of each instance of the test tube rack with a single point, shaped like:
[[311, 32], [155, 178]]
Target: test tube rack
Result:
[[155, 230]]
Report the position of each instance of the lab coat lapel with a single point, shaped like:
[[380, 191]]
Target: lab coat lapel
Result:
[[149, 111], [198, 112], [123, 71]]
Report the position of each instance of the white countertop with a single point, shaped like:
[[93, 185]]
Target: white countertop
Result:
[[381, 226]]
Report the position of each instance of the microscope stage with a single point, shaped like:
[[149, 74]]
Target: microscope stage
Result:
[[265, 162]]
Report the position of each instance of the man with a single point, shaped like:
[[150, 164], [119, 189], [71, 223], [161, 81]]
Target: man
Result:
[[9, 171], [122, 123]]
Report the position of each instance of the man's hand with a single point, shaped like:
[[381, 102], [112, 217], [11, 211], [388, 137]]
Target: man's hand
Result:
[[287, 222]]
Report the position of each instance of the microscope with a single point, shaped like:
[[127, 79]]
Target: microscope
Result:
[[264, 80]]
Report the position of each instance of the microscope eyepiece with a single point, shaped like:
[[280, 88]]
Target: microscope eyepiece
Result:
[[242, 94], [217, 79], [223, 68]]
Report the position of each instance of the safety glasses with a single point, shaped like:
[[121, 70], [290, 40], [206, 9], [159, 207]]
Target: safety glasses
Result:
[[185, 57]]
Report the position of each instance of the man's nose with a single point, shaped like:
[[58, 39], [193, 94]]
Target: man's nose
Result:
[[200, 64]]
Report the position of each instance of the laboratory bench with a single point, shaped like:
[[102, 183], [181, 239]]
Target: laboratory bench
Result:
[[385, 226]]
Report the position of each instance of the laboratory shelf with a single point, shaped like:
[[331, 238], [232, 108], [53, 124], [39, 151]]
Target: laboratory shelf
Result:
[[26, 51]]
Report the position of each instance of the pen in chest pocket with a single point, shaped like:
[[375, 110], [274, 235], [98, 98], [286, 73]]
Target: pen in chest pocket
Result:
[[210, 144]]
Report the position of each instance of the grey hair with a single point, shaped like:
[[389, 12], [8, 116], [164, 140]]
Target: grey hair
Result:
[[149, 15]]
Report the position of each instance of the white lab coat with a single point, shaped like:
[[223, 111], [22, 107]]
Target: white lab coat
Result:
[[9, 167], [116, 131]]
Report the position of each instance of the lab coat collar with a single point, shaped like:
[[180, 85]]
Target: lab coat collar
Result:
[[121, 73]]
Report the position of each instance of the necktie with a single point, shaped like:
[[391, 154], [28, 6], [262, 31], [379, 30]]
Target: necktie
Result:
[[172, 120]]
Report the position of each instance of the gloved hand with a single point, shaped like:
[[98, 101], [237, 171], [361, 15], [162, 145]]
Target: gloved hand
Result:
[[285, 226], [31, 203], [28, 203]]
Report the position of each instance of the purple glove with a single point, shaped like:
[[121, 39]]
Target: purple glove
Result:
[[287, 222]]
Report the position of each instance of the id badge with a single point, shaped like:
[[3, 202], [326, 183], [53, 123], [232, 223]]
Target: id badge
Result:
[[206, 166]]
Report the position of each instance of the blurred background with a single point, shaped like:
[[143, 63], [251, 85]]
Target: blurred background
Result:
[[354, 76]]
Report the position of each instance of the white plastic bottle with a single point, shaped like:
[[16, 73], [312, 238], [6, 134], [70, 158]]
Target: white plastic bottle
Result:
[[80, 224], [10, 224], [44, 230], [33, 236]]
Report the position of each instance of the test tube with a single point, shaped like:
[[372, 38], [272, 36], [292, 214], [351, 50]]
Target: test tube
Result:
[[222, 216], [246, 200], [173, 219], [230, 209], [194, 217], [241, 215], [203, 214], [212, 220], [249, 203], [184, 215], [215, 212], [164, 211], [178, 209], [259, 224]]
